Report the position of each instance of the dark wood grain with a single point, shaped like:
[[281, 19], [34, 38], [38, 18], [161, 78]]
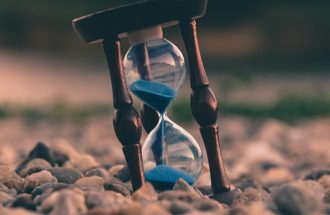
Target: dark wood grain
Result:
[[127, 123], [204, 107]]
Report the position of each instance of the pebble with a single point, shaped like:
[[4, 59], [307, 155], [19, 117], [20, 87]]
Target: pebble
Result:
[[206, 204], [154, 209], [16, 211], [326, 197], [24, 201], [255, 208], [296, 199], [184, 186], [5, 189], [8, 155], [105, 199], [131, 208], [122, 174], [117, 185], [317, 174], [248, 182], [39, 151], [82, 163], [91, 183], [65, 175], [44, 187], [63, 151], [112, 170], [179, 207], [176, 195], [34, 180], [325, 181], [145, 193], [10, 179], [33, 166], [251, 195], [5, 198], [67, 201], [313, 186], [101, 172], [276, 176]]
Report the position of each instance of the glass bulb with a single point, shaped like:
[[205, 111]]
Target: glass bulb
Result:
[[155, 70]]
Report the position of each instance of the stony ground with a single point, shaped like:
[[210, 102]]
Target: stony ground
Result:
[[280, 169]]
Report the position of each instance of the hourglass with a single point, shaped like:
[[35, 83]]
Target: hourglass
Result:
[[154, 69]]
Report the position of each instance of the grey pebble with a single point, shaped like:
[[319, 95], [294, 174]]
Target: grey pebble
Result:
[[145, 193], [65, 175], [36, 179], [184, 186], [179, 207], [248, 182], [117, 185], [91, 183], [24, 201], [42, 188], [123, 174], [101, 172], [5, 198], [176, 195], [10, 179], [317, 174], [251, 195], [105, 199], [33, 166], [296, 199], [207, 204]]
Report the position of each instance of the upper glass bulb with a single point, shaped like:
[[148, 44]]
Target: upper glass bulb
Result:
[[154, 58]]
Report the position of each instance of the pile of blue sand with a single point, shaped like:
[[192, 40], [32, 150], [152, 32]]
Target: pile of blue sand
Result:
[[156, 95], [164, 177]]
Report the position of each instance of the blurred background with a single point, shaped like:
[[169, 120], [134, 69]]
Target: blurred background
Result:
[[265, 59]]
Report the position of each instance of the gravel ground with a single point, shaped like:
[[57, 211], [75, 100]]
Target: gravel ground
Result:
[[280, 169]]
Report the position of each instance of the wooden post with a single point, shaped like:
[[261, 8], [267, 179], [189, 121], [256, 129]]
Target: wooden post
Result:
[[127, 123], [204, 107]]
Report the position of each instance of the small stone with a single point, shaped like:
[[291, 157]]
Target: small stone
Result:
[[5, 198], [39, 151], [65, 202], [101, 172], [325, 181], [276, 176], [91, 183], [83, 163], [65, 175], [5, 189], [123, 174], [248, 182], [36, 179], [179, 207], [326, 197], [296, 199], [130, 208], [145, 193], [117, 185], [313, 186], [176, 195], [115, 169], [105, 199], [24, 201], [251, 195], [63, 151], [10, 179], [206, 190], [184, 186], [47, 186], [251, 209], [317, 174], [207, 204], [33, 166], [16, 211], [154, 209]]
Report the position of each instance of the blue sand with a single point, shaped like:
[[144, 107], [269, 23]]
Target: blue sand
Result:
[[164, 177], [156, 95]]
